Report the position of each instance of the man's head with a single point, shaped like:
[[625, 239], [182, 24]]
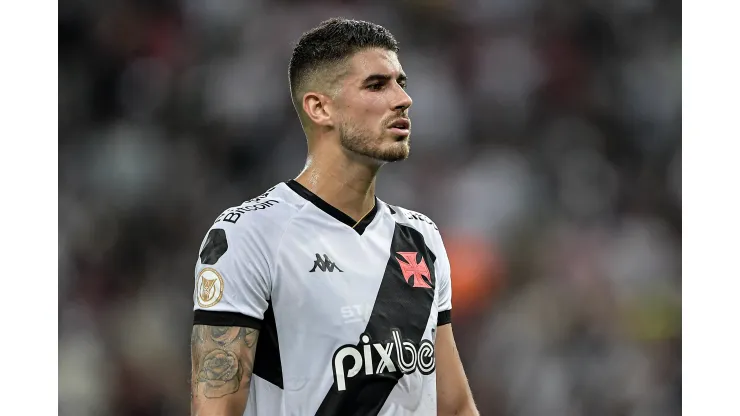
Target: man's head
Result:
[[345, 79]]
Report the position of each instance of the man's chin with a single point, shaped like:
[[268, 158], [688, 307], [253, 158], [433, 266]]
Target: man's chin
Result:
[[393, 158], [399, 152], [391, 152], [381, 158]]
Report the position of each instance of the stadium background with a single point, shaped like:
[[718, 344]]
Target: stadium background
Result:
[[546, 146]]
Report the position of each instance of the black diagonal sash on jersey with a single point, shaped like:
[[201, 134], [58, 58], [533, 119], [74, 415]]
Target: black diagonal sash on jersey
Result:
[[397, 305]]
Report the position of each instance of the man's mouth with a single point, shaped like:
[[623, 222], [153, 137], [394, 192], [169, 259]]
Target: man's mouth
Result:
[[402, 124], [401, 127]]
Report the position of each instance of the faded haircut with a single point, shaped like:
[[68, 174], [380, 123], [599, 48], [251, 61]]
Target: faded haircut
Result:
[[319, 55]]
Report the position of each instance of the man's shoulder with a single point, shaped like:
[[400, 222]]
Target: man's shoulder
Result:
[[416, 220], [266, 214]]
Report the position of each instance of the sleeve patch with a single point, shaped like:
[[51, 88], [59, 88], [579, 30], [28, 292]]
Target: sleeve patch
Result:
[[210, 288]]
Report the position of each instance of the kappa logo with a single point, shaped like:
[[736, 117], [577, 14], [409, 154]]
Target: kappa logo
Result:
[[325, 265], [413, 269]]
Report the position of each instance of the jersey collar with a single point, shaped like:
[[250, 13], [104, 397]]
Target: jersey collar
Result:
[[340, 216]]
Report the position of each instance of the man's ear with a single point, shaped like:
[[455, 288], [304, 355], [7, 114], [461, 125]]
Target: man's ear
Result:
[[318, 108]]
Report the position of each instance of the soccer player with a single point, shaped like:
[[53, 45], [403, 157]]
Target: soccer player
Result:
[[316, 297]]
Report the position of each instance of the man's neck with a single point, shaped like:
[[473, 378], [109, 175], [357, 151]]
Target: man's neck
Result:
[[345, 184]]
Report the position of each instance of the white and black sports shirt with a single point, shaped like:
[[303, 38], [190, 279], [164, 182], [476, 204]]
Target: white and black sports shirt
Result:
[[347, 312]]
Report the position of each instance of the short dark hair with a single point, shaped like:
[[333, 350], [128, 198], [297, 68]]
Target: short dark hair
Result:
[[331, 42]]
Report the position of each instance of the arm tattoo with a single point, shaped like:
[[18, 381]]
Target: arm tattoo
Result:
[[222, 359]]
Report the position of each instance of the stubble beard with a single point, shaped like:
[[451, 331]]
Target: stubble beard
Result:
[[365, 144]]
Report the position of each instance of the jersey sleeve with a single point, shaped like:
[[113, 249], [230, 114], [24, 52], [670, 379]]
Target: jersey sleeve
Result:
[[232, 277], [444, 299]]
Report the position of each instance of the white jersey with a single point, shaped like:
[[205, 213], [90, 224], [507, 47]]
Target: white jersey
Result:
[[347, 312]]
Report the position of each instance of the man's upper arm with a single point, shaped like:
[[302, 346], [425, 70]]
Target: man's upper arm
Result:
[[444, 298], [231, 294], [232, 274], [453, 392]]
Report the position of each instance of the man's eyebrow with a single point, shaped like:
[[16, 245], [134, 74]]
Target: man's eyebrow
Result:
[[383, 77]]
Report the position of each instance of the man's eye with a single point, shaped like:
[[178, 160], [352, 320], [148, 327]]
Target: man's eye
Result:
[[375, 87]]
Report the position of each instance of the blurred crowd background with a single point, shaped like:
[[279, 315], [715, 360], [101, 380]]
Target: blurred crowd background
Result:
[[546, 146]]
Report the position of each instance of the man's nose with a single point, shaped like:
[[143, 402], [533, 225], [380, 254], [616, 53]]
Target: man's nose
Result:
[[404, 101]]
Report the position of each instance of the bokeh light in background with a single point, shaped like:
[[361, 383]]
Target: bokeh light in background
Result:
[[478, 271], [546, 147]]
